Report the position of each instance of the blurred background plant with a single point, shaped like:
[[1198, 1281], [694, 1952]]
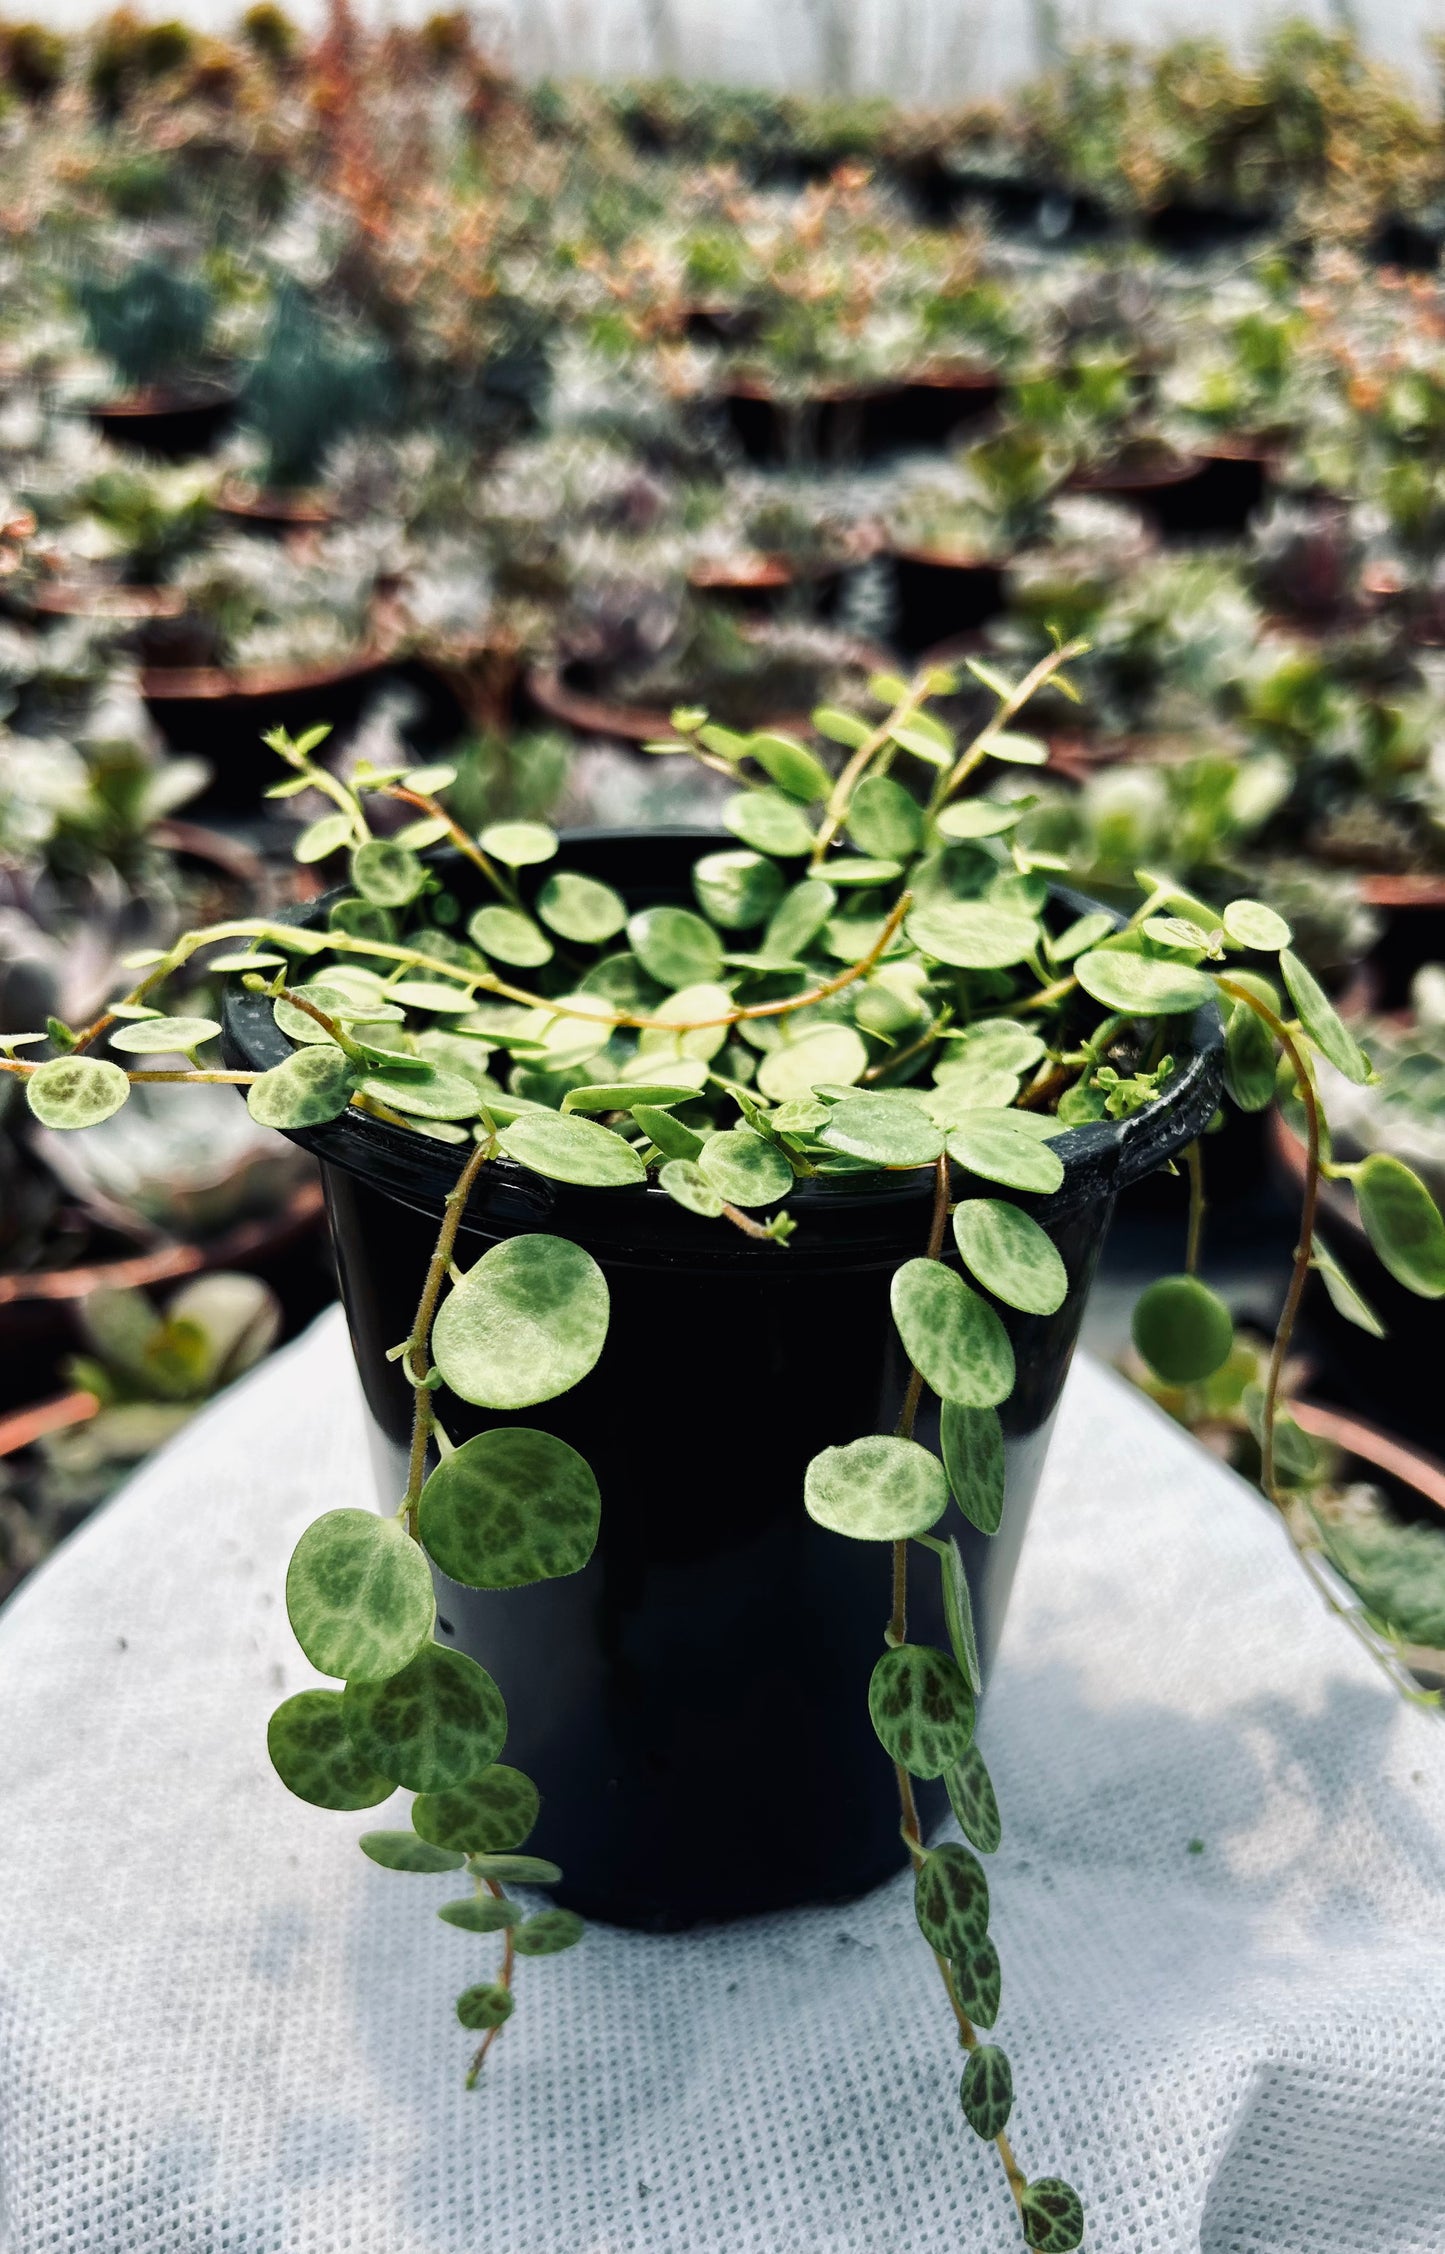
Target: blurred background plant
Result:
[[349, 379]]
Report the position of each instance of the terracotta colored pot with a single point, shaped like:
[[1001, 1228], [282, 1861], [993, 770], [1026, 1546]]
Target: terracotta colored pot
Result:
[[265, 510], [61, 598]]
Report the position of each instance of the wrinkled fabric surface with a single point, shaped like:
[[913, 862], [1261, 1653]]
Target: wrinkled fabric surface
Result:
[[223, 2031]]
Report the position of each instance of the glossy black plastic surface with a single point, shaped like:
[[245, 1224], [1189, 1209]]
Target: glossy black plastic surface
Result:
[[693, 1704]]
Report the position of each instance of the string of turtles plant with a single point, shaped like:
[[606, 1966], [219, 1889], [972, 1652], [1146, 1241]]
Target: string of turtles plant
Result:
[[873, 979]]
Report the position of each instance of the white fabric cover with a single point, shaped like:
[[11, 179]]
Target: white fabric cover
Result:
[[222, 2031]]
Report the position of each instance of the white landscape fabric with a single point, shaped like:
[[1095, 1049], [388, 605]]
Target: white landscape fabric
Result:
[[222, 2031]]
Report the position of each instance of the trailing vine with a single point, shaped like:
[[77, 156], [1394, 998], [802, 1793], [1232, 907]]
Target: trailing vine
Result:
[[892, 932]]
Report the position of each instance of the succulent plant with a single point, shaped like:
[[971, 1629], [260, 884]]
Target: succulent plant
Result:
[[312, 385], [151, 323]]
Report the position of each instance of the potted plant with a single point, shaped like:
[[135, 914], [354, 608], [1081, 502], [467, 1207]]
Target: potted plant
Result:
[[152, 325], [952, 527], [778, 545], [269, 633], [1387, 1372], [847, 1105]]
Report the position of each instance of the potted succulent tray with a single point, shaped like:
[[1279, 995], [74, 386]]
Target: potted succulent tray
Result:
[[626, 1131]]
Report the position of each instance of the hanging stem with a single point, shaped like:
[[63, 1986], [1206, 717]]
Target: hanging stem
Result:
[[417, 1352], [465, 845], [504, 1980], [1194, 1160], [1304, 1250], [1009, 709], [897, 1633]]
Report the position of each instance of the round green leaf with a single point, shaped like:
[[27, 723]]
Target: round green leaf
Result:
[[744, 1167], [525, 1324], [1249, 923], [986, 2092], [517, 1870], [958, 1611], [737, 890], [548, 1933], [1317, 1014], [631, 1095], [518, 845], [1402, 1222], [952, 1337], [489, 2004], [429, 1094], [491, 1815], [359, 1595], [1249, 1059], [437, 1722], [1141, 985], [385, 873], [314, 1757], [996, 1147], [319, 838], [581, 909], [978, 1979], [886, 1129], [305, 1090], [669, 1134], [972, 934], [510, 1507], [793, 768], [686, 1185], [973, 1800], [769, 822], [1183, 1330], [432, 994], [860, 869], [800, 917], [508, 936], [885, 820], [980, 817], [825, 1055], [403, 1851], [675, 947], [878, 1489], [568, 1149], [1010, 1255], [164, 1036], [480, 1913], [76, 1091], [973, 1457], [950, 1901], [922, 1710], [697, 1007], [1053, 2216]]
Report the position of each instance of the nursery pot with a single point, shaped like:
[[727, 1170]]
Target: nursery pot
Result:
[[176, 425], [693, 1704], [942, 593]]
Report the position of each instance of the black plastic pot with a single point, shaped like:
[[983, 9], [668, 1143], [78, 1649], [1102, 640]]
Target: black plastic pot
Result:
[[940, 597], [693, 1704]]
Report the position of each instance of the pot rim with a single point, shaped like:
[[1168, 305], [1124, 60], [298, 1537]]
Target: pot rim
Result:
[[373, 1149]]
